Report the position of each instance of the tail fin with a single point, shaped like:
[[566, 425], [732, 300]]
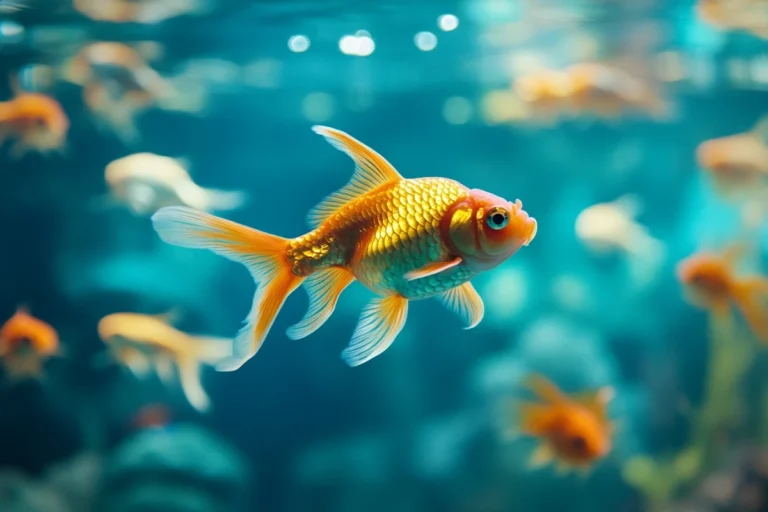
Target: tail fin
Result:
[[223, 200], [751, 297], [189, 375], [263, 254]]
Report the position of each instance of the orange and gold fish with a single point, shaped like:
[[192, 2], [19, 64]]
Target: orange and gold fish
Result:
[[118, 82], [149, 343], [25, 344], [711, 283], [744, 15], [404, 239], [574, 432], [738, 163], [35, 120]]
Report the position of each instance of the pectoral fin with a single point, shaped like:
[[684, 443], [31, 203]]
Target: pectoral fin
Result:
[[465, 302], [431, 269]]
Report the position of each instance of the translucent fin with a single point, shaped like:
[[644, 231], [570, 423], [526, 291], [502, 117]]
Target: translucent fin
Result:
[[597, 400], [263, 254], [431, 269], [324, 288], [164, 369], [542, 456], [135, 361], [224, 200], [545, 389], [211, 350], [169, 317], [189, 374], [371, 172], [465, 302], [631, 204], [380, 323], [752, 301]]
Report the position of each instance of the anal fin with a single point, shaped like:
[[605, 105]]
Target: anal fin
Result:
[[380, 323], [324, 288], [465, 302], [542, 456]]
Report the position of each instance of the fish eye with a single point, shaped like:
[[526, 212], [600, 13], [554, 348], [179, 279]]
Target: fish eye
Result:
[[578, 443], [497, 218]]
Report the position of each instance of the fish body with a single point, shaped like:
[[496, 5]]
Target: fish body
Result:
[[147, 182], [148, 343], [711, 283], [37, 122], [574, 432], [404, 239], [26, 343]]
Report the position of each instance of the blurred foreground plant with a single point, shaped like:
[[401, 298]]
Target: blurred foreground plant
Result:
[[660, 479]]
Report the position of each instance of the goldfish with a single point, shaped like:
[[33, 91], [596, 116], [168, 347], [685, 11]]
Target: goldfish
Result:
[[602, 90], [574, 432], [139, 11], [26, 343], [145, 343], [119, 84], [613, 227], [37, 122], [711, 283], [403, 239], [146, 182], [738, 163], [746, 15]]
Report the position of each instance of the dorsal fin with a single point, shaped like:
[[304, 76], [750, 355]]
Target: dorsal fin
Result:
[[170, 316], [597, 400], [371, 171], [545, 389]]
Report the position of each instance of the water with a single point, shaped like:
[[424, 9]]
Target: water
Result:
[[561, 105]]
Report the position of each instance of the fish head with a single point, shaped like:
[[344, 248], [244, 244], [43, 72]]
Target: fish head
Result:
[[706, 278], [581, 436], [486, 229], [43, 121]]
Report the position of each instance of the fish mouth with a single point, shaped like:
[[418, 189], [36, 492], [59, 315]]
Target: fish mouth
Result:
[[528, 224]]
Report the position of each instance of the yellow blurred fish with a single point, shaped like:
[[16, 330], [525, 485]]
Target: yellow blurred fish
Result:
[[146, 182], [147, 343], [404, 239]]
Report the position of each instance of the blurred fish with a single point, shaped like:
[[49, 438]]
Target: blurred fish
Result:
[[35, 120], [738, 163], [602, 90], [119, 84], [404, 239], [747, 15], [144, 343], [139, 11], [574, 432], [146, 182], [711, 283], [25, 344], [612, 227]]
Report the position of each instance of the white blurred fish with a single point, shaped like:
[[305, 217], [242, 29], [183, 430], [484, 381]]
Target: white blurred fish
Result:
[[612, 228], [146, 182]]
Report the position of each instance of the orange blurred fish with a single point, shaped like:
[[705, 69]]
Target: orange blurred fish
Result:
[[144, 343], [574, 432], [35, 120], [404, 239], [738, 163], [747, 15], [711, 283], [151, 416], [25, 344]]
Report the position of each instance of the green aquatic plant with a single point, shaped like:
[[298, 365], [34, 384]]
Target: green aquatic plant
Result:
[[661, 479]]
